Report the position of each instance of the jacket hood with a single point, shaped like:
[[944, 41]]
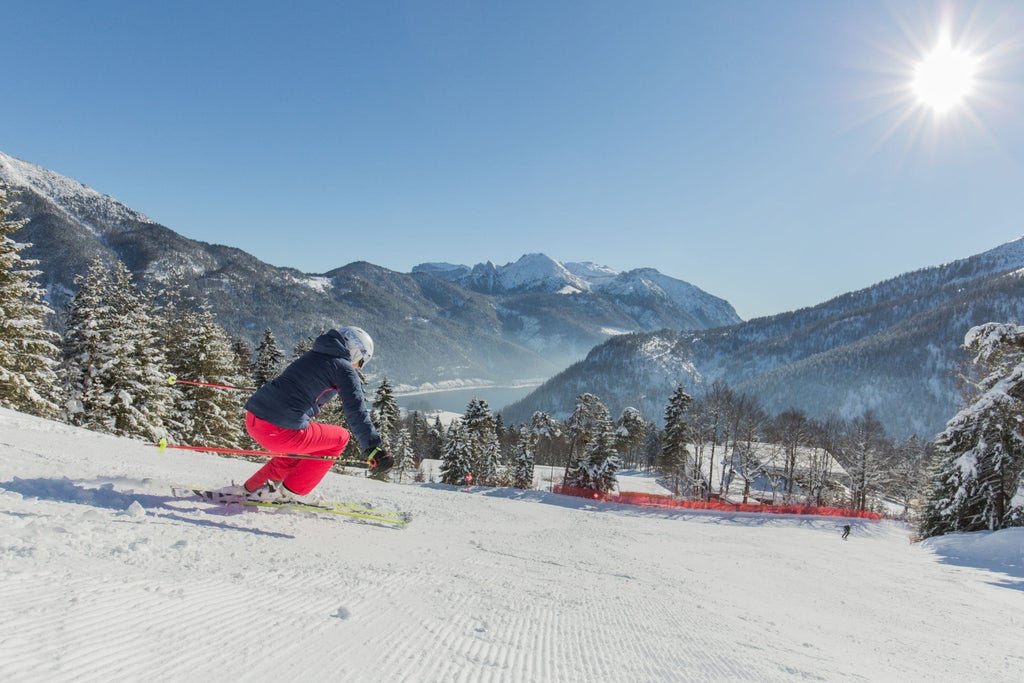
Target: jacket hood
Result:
[[331, 344]]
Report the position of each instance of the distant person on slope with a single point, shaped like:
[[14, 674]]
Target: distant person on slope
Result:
[[278, 417]]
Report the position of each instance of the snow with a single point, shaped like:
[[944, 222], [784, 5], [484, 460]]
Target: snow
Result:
[[317, 283], [106, 577], [536, 270], [588, 271], [70, 196]]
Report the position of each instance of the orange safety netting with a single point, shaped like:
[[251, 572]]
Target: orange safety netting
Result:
[[654, 500]]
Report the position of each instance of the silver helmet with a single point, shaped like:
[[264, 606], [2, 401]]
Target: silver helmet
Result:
[[358, 343]]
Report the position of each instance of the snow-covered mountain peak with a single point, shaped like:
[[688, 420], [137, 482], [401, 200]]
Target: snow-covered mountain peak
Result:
[[643, 287], [99, 212], [537, 271], [591, 272]]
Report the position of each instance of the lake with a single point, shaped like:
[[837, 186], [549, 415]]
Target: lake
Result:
[[456, 400]]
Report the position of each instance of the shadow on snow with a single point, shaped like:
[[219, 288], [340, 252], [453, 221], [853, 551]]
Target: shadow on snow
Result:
[[106, 497]]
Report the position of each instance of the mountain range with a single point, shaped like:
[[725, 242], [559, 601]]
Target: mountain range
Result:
[[441, 325], [627, 337], [893, 348]]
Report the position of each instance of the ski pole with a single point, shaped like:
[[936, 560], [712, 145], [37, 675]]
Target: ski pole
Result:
[[172, 380], [162, 445]]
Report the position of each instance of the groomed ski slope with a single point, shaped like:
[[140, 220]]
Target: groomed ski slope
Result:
[[105, 577]]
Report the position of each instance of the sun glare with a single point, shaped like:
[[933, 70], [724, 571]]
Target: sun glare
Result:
[[938, 79], [944, 77]]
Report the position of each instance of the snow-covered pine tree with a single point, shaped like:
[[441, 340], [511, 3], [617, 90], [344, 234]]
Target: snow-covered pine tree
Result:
[[385, 413], [269, 360], [29, 354], [403, 453], [82, 347], [587, 418], [455, 455], [679, 434], [547, 430], [210, 416], [115, 365], [978, 480], [599, 464], [591, 425], [523, 459], [482, 437], [545, 426], [632, 432], [243, 358], [173, 304]]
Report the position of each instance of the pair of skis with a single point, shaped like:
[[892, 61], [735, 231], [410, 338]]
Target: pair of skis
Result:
[[350, 510]]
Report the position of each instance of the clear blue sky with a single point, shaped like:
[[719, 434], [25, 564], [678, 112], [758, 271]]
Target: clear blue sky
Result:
[[765, 151]]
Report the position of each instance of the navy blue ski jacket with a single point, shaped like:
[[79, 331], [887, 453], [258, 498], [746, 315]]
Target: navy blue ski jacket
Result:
[[313, 379]]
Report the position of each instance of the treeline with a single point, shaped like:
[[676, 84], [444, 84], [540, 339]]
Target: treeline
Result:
[[104, 363], [722, 441]]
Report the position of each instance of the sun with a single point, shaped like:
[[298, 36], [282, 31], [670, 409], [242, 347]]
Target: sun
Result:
[[944, 77], [935, 81]]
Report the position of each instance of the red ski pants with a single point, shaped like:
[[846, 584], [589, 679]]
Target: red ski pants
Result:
[[298, 475]]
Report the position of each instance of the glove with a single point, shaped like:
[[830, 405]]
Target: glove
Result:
[[380, 462]]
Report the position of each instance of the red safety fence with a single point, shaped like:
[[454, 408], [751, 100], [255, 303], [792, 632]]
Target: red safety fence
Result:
[[654, 500]]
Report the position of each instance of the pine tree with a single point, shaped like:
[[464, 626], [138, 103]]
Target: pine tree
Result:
[[403, 453], [599, 464], [29, 354], [523, 459], [978, 480], [588, 417], [546, 431], [482, 437], [596, 467], [200, 349], [172, 311], [679, 434], [82, 346], [385, 413], [421, 437], [269, 360], [437, 432], [114, 361], [632, 432], [455, 456]]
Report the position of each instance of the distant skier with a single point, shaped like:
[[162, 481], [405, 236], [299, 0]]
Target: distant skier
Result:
[[278, 417], [846, 531]]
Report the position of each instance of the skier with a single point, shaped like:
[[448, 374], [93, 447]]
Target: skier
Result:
[[278, 417], [846, 531]]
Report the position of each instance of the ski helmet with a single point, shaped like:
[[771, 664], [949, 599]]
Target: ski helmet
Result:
[[358, 343]]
